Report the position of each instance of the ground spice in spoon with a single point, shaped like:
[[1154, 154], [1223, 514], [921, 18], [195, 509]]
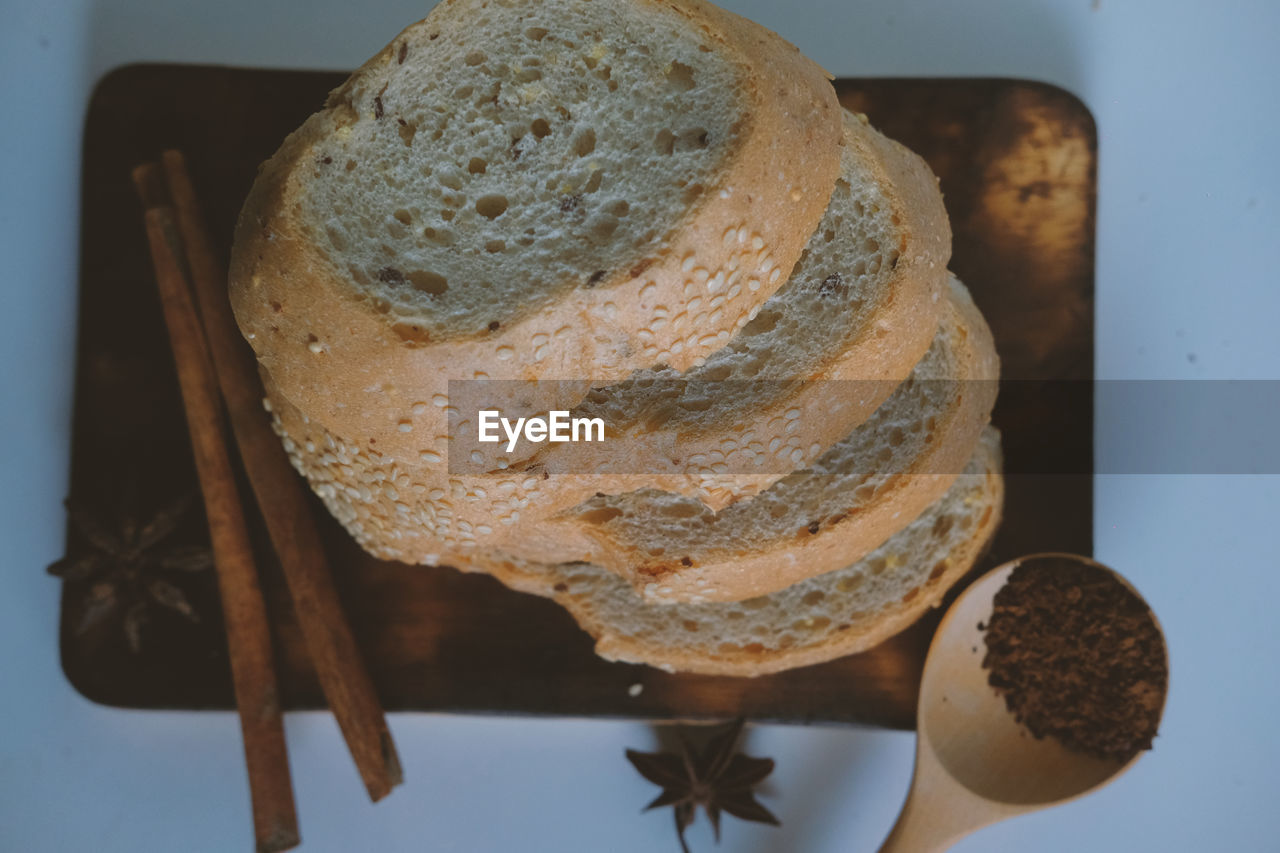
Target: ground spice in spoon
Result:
[[1077, 657]]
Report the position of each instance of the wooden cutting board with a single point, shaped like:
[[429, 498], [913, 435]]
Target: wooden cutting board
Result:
[[1017, 165]]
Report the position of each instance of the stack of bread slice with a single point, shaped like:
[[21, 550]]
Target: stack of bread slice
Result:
[[653, 213]]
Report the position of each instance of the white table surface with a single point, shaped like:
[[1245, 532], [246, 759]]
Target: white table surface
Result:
[[1185, 95]]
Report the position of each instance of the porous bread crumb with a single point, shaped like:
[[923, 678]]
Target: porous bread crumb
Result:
[[622, 121]]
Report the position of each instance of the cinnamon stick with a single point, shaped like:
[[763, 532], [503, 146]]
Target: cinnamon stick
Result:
[[244, 610], [283, 502]]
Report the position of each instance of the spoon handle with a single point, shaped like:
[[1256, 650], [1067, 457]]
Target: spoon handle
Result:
[[938, 812], [919, 832]]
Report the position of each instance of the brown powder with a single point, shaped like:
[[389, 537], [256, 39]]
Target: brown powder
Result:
[[1077, 657]]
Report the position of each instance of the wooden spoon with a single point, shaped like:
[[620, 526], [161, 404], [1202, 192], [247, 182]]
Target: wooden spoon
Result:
[[975, 764]]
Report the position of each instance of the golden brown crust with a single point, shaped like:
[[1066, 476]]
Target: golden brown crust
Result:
[[338, 360]]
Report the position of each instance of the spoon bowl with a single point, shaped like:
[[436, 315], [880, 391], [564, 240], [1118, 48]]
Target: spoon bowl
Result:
[[975, 764]]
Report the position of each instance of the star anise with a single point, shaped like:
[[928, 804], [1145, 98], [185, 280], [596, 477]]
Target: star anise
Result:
[[717, 777], [125, 563]]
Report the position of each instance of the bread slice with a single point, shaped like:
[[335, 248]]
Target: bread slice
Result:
[[854, 497], [520, 190], [862, 303], [834, 614]]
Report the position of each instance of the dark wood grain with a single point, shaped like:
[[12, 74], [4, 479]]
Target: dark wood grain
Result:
[[1016, 162]]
